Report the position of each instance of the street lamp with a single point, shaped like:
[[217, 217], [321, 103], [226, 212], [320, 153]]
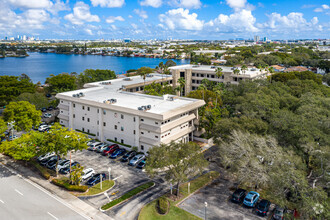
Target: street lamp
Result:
[[205, 209], [109, 170], [11, 125]]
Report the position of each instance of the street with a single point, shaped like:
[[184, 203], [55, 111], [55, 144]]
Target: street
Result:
[[22, 199]]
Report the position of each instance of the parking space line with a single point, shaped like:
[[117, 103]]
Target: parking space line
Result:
[[1, 201], [117, 177], [52, 215], [123, 213], [19, 192]]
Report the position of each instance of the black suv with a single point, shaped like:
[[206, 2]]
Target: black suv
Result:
[[128, 156], [263, 207], [238, 195]]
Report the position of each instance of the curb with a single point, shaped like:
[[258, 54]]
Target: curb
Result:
[[97, 193], [102, 210]]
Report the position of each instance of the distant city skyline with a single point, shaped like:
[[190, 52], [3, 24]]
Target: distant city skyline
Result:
[[164, 19]]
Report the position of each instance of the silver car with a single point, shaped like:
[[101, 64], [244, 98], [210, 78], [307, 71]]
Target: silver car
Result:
[[136, 159]]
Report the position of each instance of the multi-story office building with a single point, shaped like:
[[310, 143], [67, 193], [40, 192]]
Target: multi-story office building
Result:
[[110, 111], [194, 74]]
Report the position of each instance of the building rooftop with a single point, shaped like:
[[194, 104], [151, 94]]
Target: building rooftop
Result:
[[250, 71], [103, 92]]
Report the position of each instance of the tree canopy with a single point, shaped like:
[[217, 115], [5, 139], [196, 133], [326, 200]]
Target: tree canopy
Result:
[[37, 99]]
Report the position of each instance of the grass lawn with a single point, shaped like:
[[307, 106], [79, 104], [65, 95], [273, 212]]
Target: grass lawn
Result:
[[106, 184], [149, 211]]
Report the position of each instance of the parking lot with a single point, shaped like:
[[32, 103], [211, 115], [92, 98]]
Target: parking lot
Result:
[[217, 195], [126, 177]]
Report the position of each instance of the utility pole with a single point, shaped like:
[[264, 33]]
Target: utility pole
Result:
[[205, 209], [101, 180]]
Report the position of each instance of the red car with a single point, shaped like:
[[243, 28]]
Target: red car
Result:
[[110, 149]]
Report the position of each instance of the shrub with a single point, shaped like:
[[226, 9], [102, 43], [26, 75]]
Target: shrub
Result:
[[64, 182], [126, 145], [162, 205], [128, 195], [86, 133], [42, 170]]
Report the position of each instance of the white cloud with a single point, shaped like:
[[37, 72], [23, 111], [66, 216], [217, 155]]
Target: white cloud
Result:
[[240, 21], [108, 3], [130, 16], [88, 31], [322, 8], [152, 3], [112, 19], [186, 3], [180, 19], [81, 14], [31, 3], [141, 13], [58, 6], [236, 3], [325, 7]]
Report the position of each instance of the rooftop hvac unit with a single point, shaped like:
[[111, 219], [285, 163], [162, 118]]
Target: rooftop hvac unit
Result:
[[106, 83], [127, 79], [212, 67], [74, 95], [195, 66], [140, 108], [149, 75], [148, 107], [253, 69], [81, 94]]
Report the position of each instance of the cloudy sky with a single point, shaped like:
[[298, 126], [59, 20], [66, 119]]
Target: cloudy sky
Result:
[[162, 19]]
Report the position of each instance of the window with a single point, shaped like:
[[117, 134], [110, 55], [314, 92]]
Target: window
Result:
[[87, 130], [104, 124], [193, 74], [121, 141], [134, 132], [115, 139], [83, 129], [142, 119], [202, 75], [156, 122], [83, 107], [156, 136], [87, 119], [142, 132], [197, 75], [212, 76], [182, 74], [98, 122], [74, 105], [88, 108], [61, 111], [98, 134], [134, 119], [115, 127], [83, 118], [122, 128], [122, 116], [193, 81], [73, 115], [61, 122], [142, 147], [61, 101], [98, 110], [104, 112]]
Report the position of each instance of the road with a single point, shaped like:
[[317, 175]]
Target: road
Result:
[[22, 199]]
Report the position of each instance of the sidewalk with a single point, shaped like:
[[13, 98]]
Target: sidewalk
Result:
[[77, 204]]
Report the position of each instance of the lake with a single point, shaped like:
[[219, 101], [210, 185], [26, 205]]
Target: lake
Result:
[[38, 66]]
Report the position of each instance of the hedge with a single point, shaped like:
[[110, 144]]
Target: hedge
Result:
[[42, 170], [162, 205], [64, 182], [128, 195], [86, 133], [126, 145]]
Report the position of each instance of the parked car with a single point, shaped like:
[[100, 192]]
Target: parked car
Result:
[[100, 148], [110, 149], [50, 108], [128, 156], [136, 159], [51, 162], [238, 195], [142, 164], [87, 173], [91, 141], [66, 170], [95, 179], [251, 199], [47, 115], [43, 109], [48, 95], [63, 164], [46, 160], [10, 138], [117, 153], [263, 207], [44, 156], [93, 146], [43, 128], [278, 213]]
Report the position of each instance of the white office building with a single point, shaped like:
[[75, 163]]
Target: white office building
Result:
[[110, 112]]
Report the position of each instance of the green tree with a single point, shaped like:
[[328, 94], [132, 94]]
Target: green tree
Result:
[[244, 68], [218, 72], [37, 99], [170, 63], [91, 75], [61, 83], [61, 140], [24, 114], [143, 72], [202, 88], [182, 83], [76, 174], [236, 71], [3, 127], [181, 160]]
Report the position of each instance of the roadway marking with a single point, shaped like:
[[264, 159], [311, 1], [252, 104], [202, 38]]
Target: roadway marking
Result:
[[52, 215], [1, 201], [123, 213], [19, 192], [117, 177]]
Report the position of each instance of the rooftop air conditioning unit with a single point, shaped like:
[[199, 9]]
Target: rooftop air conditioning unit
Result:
[[74, 95], [148, 107], [140, 108], [195, 66], [149, 75], [253, 69], [81, 94], [212, 67], [127, 79]]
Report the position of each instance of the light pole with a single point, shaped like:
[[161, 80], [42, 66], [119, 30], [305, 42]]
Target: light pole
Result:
[[11, 125], [205, 209], [109, 170], [101, 180]]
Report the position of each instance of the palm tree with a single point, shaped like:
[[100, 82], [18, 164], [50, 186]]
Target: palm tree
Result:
[[218, 92], [236, 71], [203, 88], [244, 68], [143, 72], [181, 82], [219, 72], [271, 71]]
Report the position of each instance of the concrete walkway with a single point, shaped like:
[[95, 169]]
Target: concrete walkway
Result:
[[72, 201]]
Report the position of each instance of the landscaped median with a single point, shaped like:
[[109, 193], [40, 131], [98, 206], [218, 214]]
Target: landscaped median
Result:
[[65, 183], [94, 190], [151, 210], [128, 195], [46, 173]]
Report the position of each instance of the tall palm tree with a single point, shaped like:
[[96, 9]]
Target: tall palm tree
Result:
[[218, 92], [143, 72], [203, 88], [244, 68], [181, 82], [218, 72]]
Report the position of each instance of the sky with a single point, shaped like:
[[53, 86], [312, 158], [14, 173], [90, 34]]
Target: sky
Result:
[[164, 19]]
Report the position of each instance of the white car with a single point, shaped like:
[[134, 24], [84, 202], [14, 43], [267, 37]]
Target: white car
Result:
[[87, 173], [63, 164], [46, 156], [47, 115], [100, 148], [43, 128], [93, 146]]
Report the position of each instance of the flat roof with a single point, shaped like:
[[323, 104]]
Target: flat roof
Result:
[[249, 71], [100, 92]]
